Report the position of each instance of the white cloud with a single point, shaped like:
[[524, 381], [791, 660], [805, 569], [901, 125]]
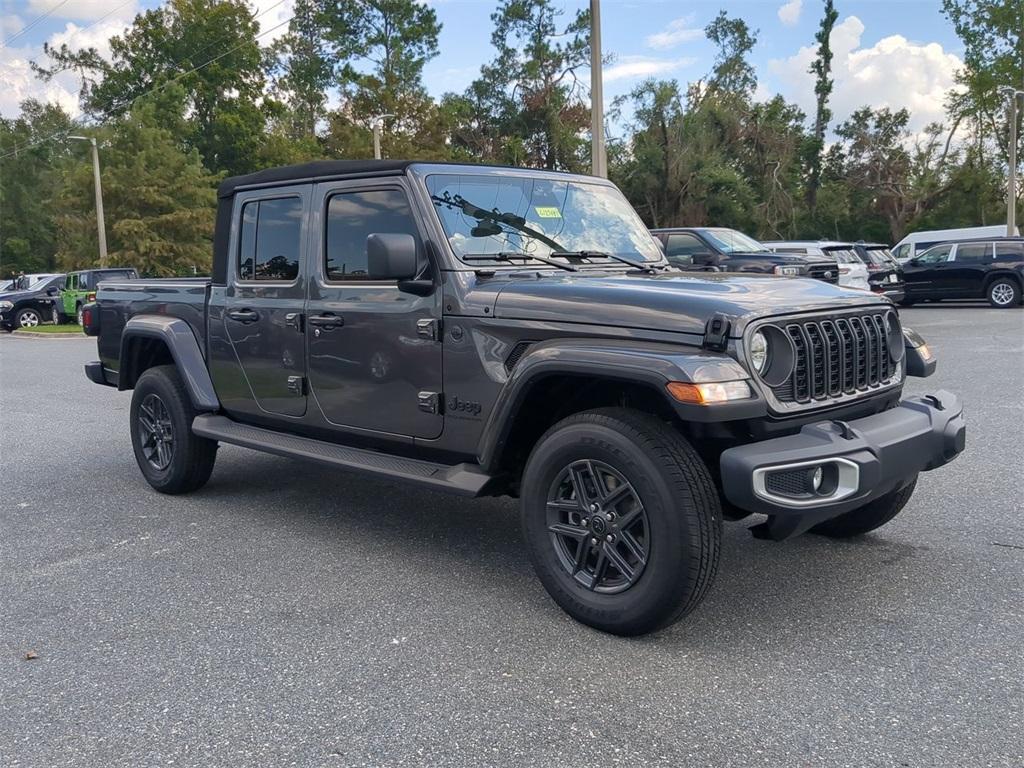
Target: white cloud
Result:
[[789, 14], [270, 14], [628, 67], [895, 73], [79, 9], [678, 31]]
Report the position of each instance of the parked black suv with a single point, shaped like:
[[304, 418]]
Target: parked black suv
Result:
[[28, 308], [537, 345], [719, 249], [989, 268]]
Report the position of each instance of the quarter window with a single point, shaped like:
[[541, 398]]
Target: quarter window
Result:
[[270, 237], [354, 216], [1009, 251]]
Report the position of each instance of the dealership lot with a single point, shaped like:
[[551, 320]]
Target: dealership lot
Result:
[[286, 615]]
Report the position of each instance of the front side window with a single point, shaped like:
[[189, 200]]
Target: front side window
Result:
[[683, 247], [354, 216], [902, 251], [484, 215], [935, 255], [270, 239]]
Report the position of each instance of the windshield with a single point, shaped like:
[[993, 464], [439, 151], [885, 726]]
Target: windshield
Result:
[[733, 241], [537, 216]]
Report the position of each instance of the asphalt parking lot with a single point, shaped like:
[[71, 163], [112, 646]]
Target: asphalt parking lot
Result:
[[286, 615]]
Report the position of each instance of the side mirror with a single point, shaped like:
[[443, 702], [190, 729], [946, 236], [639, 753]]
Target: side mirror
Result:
[[52, 291], [391, 257]]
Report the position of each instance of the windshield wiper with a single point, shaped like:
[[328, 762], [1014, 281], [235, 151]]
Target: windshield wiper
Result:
[[642, 266], [510, 256]]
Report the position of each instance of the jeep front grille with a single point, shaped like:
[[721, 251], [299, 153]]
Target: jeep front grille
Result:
[[837, 356]]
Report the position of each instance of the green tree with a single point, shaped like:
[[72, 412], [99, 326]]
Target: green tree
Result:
[[732, 72], [159, 202], [302, 69], [821, 68], [529, 103], [28, 179], [209, 50]]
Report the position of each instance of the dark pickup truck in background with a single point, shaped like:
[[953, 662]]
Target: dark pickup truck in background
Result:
[[489, 331], [719, 249]]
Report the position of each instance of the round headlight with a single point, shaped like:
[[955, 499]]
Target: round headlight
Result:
[[759, 351]]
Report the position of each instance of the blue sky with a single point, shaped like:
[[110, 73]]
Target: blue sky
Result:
[[895, 53]]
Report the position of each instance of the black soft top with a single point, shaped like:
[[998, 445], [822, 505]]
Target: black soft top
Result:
[[314, 170]]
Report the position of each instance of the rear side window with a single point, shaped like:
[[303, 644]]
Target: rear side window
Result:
[[1009, 251], [84, 283], [354, 216], [973, 253], [270, 237]]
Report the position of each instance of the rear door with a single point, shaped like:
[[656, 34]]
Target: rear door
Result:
[[374, 350], [262, 367], [966, 275]]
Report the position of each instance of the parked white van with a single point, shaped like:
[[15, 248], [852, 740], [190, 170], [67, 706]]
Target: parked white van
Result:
[[917, 242]]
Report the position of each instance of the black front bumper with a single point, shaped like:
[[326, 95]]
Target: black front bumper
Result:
[[876, 454]]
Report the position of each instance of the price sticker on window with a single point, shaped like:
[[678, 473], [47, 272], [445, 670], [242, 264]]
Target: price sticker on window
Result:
[[546, 212]]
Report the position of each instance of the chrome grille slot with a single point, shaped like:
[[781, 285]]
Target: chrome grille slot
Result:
[[836, 357]]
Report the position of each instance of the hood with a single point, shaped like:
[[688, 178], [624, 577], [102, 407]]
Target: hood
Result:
[[16, 295], [682, 303]]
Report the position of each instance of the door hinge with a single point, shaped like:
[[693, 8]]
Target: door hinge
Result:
[[716, 332], [429, 402], [429, 328], [293, 320], [297, 385]]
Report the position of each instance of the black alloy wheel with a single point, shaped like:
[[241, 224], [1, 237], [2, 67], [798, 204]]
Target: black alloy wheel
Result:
[[598, 526], [156, 432]]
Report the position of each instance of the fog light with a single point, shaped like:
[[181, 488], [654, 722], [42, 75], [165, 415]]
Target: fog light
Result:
[[816, 477]]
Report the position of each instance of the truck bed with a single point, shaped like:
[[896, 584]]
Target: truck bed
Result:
[[120, 300]]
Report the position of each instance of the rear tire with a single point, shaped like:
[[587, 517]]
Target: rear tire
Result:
[[649, 491], [172, 459], [78, 314], [865, 519], [1003, 293], [57, 316]]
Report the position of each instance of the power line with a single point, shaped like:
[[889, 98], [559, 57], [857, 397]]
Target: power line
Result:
[[32, 23], [160, 87]]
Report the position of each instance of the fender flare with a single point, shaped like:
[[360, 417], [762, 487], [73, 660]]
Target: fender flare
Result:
[[648, 363], [177, 335]]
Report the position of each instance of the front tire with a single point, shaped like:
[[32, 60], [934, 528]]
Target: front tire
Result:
[[865, 519], [621, 520], [172, 459], [57, 316], [29, 317], [1003, 293]]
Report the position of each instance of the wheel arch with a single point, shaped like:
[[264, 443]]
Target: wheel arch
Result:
[[558, 378], [148, 341], [991, 277]]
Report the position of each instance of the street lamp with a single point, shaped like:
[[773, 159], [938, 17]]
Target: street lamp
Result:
[[101, 228], [378, 123], [1011, 184], [598, 160]]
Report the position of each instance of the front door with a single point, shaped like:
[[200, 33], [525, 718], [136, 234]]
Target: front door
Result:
[[374, 350], [925, 275], [262, 306]]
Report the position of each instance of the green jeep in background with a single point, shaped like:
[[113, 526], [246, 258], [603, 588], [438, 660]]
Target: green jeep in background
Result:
[[80, 288]]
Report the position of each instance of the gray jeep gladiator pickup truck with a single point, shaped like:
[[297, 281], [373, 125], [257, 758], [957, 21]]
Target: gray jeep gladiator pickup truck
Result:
[[491, 331]]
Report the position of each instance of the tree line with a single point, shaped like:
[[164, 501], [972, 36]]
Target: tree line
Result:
[[194, 91]]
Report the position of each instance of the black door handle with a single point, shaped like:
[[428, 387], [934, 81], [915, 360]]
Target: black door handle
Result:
[[244, 315], [326, 321]]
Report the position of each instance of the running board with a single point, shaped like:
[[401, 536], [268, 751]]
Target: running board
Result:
[[462, 479]]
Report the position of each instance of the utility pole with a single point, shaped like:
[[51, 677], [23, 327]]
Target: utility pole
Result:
[[599, 160], [1011, 183], [378, 123], [100, 226]]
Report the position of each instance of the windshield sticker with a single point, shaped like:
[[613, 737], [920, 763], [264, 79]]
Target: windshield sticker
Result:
[[548, 212]]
